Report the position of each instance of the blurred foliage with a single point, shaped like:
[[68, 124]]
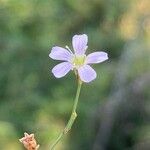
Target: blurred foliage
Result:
[[114, 110]]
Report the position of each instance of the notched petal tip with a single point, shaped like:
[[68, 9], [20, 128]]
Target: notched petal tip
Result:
[[81, 35], [50, 55]]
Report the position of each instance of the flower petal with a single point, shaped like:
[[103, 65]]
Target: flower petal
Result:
[[61, 69], [96, 57], [87, 73], [79, 43], [59, 53]]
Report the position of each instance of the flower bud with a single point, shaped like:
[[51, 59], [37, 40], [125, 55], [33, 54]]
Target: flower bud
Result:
[[29, 142]]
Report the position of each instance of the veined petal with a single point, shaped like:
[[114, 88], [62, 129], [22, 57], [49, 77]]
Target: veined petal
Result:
[[96, 57], [79, 43], [59, 53], [61, 69], [87, 73]]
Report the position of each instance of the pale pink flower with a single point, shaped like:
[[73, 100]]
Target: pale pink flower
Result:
[[29, 142], [77, 60]]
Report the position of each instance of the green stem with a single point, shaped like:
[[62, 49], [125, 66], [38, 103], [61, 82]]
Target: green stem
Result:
[[72, 117]]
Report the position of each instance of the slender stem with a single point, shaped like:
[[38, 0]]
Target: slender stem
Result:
[[72, 117]]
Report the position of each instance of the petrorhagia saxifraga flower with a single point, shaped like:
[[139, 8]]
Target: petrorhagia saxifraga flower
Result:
[[80, 63], [78, 60], [29, 142]]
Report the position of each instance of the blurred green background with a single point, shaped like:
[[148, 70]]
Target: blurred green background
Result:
[[113, 110]]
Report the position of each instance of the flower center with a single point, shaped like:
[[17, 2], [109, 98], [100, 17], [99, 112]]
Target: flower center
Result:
[[78, 60]]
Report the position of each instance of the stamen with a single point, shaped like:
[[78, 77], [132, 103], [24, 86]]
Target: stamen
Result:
[[69, 49]]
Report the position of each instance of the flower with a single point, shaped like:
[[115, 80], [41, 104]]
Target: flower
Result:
[[29, 142], [78, 60]]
